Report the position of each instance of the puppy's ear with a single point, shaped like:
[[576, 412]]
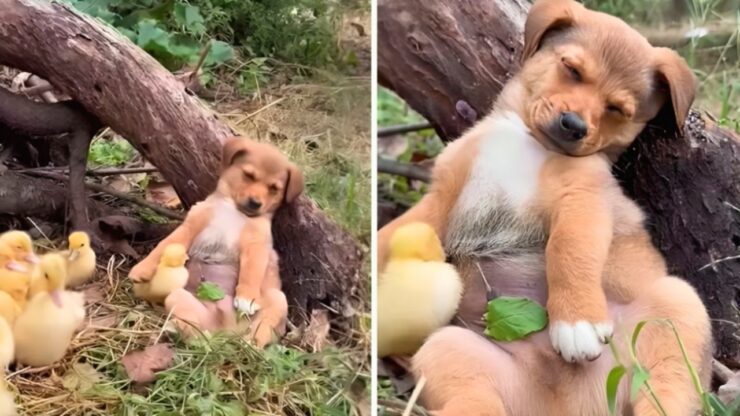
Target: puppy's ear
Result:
[[674, 75], [234, 147], [294, 185], [544, 16]]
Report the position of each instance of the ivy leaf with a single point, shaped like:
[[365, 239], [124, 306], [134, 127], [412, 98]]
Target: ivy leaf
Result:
[[220, 52], [210, 291], [612, 386], [512, 318], [639, 376]]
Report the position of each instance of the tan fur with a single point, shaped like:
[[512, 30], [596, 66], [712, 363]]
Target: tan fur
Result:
[[596, 255], [253, 172]]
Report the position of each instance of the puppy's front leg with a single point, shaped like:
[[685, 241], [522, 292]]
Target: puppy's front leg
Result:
[[254, 258], [194, 223], [577, 249]]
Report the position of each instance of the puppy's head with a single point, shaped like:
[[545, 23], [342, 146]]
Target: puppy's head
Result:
[[591, 83], [258, 177]]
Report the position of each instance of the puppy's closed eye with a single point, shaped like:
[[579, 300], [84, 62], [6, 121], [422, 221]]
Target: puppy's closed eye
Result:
[[571, 70], [615, 110], [249, 175], [274, 189]]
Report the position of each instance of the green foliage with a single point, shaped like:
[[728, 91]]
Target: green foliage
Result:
[[113, 152], [711, 405], [173, 32], [295, 31], [210, 291], [512, 318]]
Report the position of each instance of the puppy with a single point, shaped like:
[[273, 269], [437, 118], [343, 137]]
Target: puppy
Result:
[[229, 242], [528, 207]]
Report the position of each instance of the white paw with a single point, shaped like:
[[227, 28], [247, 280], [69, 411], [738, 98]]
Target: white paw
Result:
[[579, 341], [246, 306]]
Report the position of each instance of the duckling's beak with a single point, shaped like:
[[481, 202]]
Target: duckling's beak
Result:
[[15, 266], [73, 255], [56, 297], [32, 258]]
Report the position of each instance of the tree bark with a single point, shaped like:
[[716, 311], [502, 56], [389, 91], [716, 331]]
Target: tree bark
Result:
[[449, 61], [129, 91]]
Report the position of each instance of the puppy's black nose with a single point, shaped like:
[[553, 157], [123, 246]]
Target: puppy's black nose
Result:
[[573, 127], [253, 204]]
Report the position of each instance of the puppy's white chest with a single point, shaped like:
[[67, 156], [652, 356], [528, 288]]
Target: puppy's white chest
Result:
[[492, 215], [507, 167], [218, 242]]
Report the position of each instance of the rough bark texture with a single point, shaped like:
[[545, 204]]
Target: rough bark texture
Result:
[[129, 91], [449, 60]]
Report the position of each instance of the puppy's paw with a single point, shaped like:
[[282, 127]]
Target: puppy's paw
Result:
[[581, 340], [246, 306]]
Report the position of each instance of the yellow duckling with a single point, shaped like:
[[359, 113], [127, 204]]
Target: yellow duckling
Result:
[[171, 274], [14, 275], [45, 328], [7, 347], [9, 308], [80, 259], [418, 292], [21, 244]]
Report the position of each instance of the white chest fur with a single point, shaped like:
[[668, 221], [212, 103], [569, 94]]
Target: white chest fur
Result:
[[219, 240], [491, 213], [507, 167]]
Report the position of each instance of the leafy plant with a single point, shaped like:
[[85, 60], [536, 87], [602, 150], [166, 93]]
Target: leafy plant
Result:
[[209, 291], [711, 405], [113, 152], [513, 318]]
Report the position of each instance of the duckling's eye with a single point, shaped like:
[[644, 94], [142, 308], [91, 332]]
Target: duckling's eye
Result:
[[572, 71], [614, 110], [46, 276]]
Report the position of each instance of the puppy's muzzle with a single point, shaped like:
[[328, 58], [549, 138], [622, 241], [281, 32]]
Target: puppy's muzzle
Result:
[[251, 207], [571, 127]]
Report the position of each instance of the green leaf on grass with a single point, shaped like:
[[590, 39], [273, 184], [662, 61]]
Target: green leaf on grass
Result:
[[612, 387], [512, 318], [189, 17], [639, 376], [220, 52], [151, 35], [210, 291]]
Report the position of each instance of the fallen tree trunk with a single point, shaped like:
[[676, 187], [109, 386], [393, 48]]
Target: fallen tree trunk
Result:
[[449, 61], [129, 91]]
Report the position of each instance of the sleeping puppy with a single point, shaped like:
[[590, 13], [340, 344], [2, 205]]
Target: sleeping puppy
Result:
[[527, 206], [229, 242]]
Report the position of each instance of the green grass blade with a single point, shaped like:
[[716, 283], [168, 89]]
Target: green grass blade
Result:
[[612, 387]]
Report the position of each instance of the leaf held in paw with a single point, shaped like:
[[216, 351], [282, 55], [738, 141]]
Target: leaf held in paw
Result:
[[209, 291], [512, 318]]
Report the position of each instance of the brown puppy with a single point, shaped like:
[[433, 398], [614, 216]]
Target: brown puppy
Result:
[[527, 206], [229, 242]]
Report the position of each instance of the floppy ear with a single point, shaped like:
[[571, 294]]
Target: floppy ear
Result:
[[674, 74], [234, 147], [546, 15], [294, 185]]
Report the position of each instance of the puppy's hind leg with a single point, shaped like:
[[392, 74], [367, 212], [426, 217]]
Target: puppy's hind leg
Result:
[[271, 320], [659, 351], [189, 314], [469, 375]]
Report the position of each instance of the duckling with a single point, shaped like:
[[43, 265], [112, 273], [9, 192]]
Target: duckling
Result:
[[45, 328], [14, 276], [418, 292], [9, 308], [80, 259], [7, 401], [22, 246], [7, 347], [171, 274]]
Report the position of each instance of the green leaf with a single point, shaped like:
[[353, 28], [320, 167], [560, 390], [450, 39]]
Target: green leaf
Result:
[[220, 52], [636, 333], [188, 16], [612, 387], [511, 318], [233, 408], [639, 376], [151, 35], [719, 408], [209, 291]]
